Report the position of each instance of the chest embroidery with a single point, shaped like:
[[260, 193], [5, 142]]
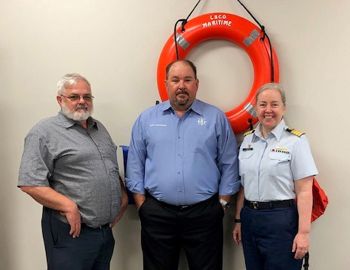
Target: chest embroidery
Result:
[[201, 121], [280, 150], [248, 148]]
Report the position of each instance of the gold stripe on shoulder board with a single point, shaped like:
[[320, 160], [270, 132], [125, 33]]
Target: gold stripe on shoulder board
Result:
[[249, 132], [295, 132]]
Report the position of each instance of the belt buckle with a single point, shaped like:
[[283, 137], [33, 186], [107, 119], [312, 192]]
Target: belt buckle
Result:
[[255, 205]]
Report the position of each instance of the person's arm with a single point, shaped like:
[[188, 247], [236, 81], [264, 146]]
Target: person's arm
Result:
[[136, 164], [303, 189], [236, 233], [227, 161], [226, 198], [52, 199], [225, 201], [123, 203]]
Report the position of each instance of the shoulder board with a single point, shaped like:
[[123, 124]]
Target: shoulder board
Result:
[[249, 132], [295, 132]]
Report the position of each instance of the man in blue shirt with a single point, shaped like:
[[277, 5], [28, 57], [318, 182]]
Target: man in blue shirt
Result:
[[182, 170]]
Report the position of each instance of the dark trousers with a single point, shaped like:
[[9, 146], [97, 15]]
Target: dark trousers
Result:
[[196, 229], [92, 250], [267, 238]]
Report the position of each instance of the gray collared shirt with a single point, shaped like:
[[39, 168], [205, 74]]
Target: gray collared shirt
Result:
[[76, 162]]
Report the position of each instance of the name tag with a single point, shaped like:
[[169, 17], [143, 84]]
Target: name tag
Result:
[[280, 150]]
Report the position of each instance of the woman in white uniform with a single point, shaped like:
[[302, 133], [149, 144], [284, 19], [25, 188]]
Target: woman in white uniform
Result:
[[273, 211]]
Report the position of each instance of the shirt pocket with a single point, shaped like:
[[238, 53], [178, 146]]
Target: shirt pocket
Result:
[[245, 154], [280, 163], [246, 167]]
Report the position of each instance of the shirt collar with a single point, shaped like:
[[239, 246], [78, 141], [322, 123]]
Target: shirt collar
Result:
[[276, 132], [68, 123], [165, 106], [195, 107]]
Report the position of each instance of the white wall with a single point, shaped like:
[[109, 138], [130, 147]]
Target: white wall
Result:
[[116, 45]]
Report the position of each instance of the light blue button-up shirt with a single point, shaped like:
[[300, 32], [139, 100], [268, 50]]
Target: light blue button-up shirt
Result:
[[182, 161], [269, 167]]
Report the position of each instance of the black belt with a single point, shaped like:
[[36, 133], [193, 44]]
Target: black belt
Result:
[[181, 207], [269, 205]]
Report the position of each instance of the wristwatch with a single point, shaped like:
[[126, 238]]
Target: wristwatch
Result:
[[225, 204]]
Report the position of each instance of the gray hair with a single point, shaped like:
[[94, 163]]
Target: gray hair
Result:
[[69, 80], [272, 86]]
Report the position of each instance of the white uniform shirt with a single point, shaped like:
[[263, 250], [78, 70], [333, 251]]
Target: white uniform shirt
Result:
[[268, 167]]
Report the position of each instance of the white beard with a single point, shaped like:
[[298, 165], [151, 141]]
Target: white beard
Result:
[[80, 115]]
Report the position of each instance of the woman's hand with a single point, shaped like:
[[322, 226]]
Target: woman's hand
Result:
[[303, 189], [300, 245], [236, 233]]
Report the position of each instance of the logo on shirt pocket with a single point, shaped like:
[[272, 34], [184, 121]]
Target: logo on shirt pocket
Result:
[[201, 121]]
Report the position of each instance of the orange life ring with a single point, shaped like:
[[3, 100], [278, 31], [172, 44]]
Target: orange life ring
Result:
[[229, 27]]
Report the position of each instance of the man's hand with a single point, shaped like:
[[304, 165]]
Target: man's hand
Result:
[[74, 220], [139, 200], [52, 199]]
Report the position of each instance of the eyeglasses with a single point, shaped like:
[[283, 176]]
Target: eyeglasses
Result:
[[87, 98]]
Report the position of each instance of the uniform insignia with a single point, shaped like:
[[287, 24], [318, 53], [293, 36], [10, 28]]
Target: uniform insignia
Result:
[[295, 132], [280, 150], [249, 132], [249, 148]]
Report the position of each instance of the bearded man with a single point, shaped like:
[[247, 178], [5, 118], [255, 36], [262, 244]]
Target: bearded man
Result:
[[69, 165]]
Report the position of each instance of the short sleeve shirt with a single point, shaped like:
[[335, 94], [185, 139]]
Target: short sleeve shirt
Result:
[[76, 162], [268, 167]]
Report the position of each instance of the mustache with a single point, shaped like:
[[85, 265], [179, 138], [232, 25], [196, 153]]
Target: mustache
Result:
[[81, 107], [182, 91]]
